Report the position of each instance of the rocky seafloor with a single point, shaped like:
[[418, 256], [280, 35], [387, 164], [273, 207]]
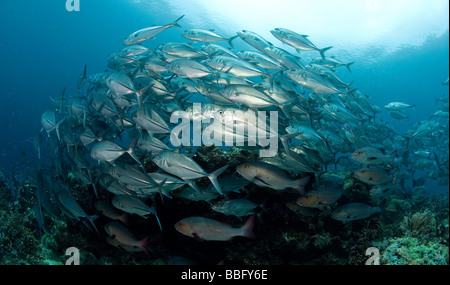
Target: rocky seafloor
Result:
[[412, 229]]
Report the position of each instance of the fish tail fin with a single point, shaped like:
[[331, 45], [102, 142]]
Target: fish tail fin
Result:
[[231, 39], [160, 186], [143, 245], [322, 51], [391, 158], [394, 177], [57, 128], [91, 220], [193, 185], [159, 222], [284, 141], [131, 151], [93, 183], [247, 228], [213, 177], [285, 111], [378, 210], [271, 77], [348, 65], [301, 183], [175, 23], [140, 94]]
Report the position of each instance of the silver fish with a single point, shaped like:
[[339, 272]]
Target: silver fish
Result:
[[186, 168], [188, 68], [234, 66], [331, 62], [254, 40], [182, 50], [133, 205], [284, 58], [71, 205], [148, 33], [109, 151], [312, 81], [297, 41], [205, 36], [398, 106], [260, 60], [48, 122], [213, 50]]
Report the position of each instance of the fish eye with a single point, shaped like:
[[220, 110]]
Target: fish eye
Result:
[[246, 166], [338, 212], [359, 152]]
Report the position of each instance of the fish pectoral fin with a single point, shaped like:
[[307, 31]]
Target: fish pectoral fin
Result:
[[262, 181], [197, 237]]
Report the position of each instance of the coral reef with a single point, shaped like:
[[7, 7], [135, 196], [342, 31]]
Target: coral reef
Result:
[[412, 251], [18, 242], [409, 231], [420, 224]]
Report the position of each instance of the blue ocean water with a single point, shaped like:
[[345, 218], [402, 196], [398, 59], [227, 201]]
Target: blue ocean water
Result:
[[44, 47], [400, 53]]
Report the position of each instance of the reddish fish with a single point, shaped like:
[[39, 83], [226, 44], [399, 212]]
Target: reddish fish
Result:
[[320, 197], [373, 176], [124, 236], [114, 242], [111, 212], [208, 229]]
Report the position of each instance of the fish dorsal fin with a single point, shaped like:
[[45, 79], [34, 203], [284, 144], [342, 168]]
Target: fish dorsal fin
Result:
[[157, 118]]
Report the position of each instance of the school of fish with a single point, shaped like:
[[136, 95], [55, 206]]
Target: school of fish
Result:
[[121, 120]]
